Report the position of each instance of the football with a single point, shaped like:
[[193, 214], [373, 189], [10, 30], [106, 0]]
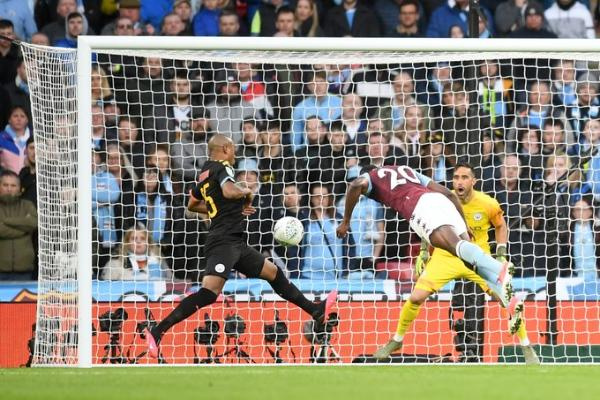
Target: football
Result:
[[288, 231]]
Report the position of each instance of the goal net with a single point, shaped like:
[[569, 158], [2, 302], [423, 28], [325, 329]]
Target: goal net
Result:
[[121, 132]]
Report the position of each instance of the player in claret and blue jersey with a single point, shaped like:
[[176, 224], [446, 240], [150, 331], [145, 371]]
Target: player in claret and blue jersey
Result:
[[436, 216]]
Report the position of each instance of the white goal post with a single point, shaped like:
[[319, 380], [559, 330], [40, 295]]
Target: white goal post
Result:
[[49, 67]]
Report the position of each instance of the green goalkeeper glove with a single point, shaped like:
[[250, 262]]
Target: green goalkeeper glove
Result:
[[422, 258], [501, 253]]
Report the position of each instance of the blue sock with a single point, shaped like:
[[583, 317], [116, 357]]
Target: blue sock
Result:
[[486, 266]]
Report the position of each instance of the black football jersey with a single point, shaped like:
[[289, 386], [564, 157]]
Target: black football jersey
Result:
[[225, 214]]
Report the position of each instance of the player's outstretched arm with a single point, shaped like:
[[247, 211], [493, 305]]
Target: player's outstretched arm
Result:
[[357, 187], [233, 191]]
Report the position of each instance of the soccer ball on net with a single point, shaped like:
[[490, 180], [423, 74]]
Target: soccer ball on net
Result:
[[288, 231]]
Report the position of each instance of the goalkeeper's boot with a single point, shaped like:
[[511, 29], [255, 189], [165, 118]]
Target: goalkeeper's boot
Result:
[[505, 282], [515, 309], [531, 358], [324, 308], [151, 343], [383, 353]]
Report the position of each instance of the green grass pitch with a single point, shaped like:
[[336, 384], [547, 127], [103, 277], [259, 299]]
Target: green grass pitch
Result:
[[511, 382]]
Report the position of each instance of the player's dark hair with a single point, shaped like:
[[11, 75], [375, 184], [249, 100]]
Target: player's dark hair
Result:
[[464, 164], [367, 168]]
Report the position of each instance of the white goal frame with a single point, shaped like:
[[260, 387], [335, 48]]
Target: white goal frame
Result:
[[88, 44]]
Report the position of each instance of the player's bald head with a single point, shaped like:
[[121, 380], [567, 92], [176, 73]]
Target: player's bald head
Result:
[[217, 142]]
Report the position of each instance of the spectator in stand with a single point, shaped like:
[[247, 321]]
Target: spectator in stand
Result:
[[130, 9], [563, 82], [285, 22], [307, 19], [318, 102], [368, 232], [27, 175], [438, 160], [534, 24], [154, 210], [353, 123], [183, 8], [13, 140], [168, 122], [101, 91], [190, 153], [172, 25], [153, 12], [380, 153], [410, 136], [440, 74], [105, 195], [252, 89], [76, 25], [275, 162], [408, 21], [508, 16], [570, 19], [529, 150], [593, 172], [492, 92], [456, 32], [146, 91], [9, 53], [584, 241], [19, 13], [251, 139], [352, 19], [158, 157], [206, 20], [343, 156], [18, 222], [229, 109], [18, 90], [463, 124], [311, 159], [404, 95], [537, 111], [263, 21], [229, 23], [587, 104], [40, 39], [287, 257], [589, 139], [322, 252], [132, 147], [56, 29], [454, 12], [101, 133], [138, 260], [553, 139], [119, 167]]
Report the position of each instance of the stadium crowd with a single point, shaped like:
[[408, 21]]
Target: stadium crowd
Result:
[[304, 131]]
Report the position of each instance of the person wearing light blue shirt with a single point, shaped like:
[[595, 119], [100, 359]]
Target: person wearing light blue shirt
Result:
[[106, 192], [19, 13], [321, 252], [367, 228], [325, 106]]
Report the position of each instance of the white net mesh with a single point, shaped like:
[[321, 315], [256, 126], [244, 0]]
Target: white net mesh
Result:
[[304, 123], [52, 80]]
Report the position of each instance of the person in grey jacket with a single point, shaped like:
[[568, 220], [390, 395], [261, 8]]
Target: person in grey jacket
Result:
[[510, 16], [189, 154], [18, 221]]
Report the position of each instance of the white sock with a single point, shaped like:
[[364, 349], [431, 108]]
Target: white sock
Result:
[[398, 338]]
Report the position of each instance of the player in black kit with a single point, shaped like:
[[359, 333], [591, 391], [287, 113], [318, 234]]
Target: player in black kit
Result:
[[227, 206]]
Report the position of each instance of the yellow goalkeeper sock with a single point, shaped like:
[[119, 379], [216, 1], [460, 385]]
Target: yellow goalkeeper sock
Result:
[[407, 316], [522, 334]]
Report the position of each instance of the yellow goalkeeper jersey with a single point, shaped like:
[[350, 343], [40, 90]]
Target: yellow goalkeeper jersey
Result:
[[482, 212]]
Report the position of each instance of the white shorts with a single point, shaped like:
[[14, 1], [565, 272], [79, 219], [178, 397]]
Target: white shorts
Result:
[[432, 211]]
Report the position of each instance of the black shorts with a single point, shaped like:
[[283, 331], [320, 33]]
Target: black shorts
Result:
[[222, 257]]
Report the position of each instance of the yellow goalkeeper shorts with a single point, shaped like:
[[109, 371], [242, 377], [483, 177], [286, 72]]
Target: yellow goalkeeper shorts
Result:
[[442, 269]]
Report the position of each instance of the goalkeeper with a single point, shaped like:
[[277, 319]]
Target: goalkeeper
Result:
[[481, 213]]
